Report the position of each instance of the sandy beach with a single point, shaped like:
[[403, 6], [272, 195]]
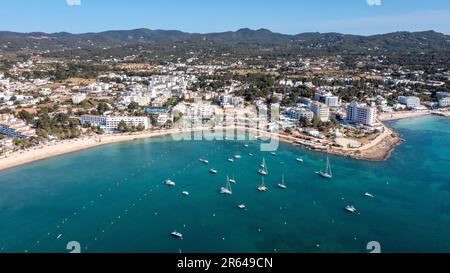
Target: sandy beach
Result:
[[69, 146], [402, 115]]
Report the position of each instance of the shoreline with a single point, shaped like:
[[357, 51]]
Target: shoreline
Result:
[[380, 149], [403, 115]]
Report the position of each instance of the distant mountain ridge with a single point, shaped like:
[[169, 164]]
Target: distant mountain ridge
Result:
[[425, 40]]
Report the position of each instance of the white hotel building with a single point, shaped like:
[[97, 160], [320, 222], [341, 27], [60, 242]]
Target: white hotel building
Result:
[[110, 124], [321, 111], [361, 114]]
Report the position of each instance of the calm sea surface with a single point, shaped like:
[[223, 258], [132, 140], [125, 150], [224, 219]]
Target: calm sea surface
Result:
[[112, 198]]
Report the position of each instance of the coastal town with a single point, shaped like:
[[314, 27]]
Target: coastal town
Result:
[[320, 106]]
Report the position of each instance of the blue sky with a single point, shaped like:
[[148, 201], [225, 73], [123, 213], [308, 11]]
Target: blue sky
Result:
[[202, 16]]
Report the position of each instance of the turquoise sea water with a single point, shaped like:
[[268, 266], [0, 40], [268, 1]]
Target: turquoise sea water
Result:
[[112, 198]]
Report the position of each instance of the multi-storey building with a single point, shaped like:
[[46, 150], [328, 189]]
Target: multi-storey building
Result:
[[361, 114]]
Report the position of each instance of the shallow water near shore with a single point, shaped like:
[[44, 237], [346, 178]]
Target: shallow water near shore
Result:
[[112, 198]]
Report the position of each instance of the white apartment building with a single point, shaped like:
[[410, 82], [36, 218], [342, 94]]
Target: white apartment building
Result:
[[78, 98], [163, 119], [361, 114], [297, 113], [444, 102], [321, 111], [328, 99], [231, 101], [410, 102], [110, 124]]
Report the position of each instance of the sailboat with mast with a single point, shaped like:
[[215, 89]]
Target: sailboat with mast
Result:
[[263, 170], [327, 173], [262, 187], [282, 185], [227, 189], [233, 180]]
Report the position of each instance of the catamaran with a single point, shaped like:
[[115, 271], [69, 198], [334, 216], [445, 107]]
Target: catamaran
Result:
[[263, 170], [327, 173], [170, 183], [351, 209], [282, 185], [227, 189], [262, 187]]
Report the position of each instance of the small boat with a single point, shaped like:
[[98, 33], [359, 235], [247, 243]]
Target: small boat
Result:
[[263, 170], [350, 209], [273, 153], [282, 185], [186, 193], [213, 171], [250, 154], [204, 161], [227, 189], [245, 145], [368, 195], [242, 206], [232, 180], [237, 156], [231, 160], [262, 187], [176, 234], [170, 183], [327, 173], [59, 236], [299, 160]]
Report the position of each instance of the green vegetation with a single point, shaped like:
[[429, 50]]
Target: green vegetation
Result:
[[60, 126], [22, 143], [124, 128]]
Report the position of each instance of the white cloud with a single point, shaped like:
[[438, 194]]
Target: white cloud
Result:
[[74, 2], [374, 2]]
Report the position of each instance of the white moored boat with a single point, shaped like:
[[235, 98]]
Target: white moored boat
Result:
[[282, 185], [262, 187], [176, 234], [263, 170], [232, 180], [327, 173], [204, 161], [170, 183], [213, 171], [227, 189], [351, 209]]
